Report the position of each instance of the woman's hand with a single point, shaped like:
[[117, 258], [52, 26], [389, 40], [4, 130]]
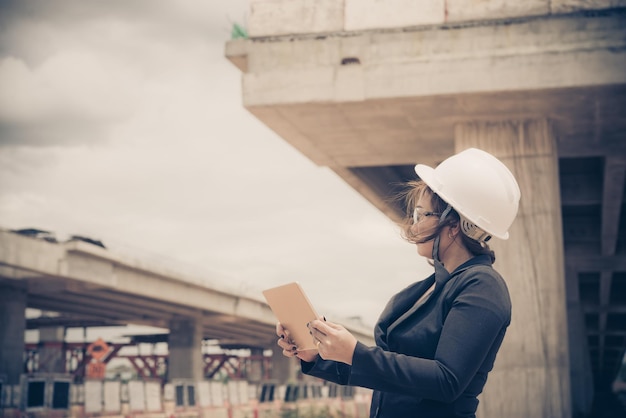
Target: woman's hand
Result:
[[289, 347], [334, 342]]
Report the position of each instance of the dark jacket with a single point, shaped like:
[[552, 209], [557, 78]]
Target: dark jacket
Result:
[[431, 360]]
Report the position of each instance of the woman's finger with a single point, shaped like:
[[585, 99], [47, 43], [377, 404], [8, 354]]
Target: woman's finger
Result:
[[286, 345], [280, 330], [289, 349], [289, 353], [324, 328], [329, 325], [316, 334], [283, 333]]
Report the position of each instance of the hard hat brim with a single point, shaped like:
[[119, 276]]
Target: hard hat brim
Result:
[[427, 175]]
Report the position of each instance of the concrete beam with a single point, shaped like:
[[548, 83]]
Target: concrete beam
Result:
[[529, 55], [280, 17], [271, 18]]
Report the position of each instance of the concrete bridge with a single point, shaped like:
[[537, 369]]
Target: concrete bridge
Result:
[[369, 88], [90, 285]]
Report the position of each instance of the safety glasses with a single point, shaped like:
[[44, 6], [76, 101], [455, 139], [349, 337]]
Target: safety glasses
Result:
[[419, 213]]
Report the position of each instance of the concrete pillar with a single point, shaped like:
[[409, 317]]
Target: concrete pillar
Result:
[[531, 377], [12, 326], [255, 374], [185, 349], [284, 369], [51, 350]]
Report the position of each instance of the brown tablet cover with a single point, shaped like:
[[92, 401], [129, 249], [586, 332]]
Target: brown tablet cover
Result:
[[294, 310]]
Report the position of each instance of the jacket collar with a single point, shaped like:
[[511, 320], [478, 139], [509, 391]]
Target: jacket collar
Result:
[[442, 275]]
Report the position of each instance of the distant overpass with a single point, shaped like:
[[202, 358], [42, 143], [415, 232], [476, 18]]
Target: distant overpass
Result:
[[90, 284]]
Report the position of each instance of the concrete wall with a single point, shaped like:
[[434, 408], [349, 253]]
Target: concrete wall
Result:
[[283, 17]]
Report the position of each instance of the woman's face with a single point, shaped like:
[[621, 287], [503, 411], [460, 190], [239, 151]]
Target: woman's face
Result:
[[426, 223]]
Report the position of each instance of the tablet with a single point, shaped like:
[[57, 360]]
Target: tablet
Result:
[[294, 310]]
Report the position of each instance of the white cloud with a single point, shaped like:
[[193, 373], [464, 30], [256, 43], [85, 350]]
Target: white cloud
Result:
[[68, 87], [148, 148]]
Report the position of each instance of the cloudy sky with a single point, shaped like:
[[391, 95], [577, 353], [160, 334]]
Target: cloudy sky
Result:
[[123, 121]]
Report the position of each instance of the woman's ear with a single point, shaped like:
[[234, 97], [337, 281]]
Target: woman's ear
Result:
[[455, 229]]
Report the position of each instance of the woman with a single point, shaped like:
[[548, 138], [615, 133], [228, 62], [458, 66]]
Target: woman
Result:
[[436, 340]]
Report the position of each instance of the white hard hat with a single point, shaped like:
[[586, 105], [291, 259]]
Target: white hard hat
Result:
[[479, 187]]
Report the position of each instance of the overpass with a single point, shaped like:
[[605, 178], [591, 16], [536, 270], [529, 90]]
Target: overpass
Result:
[[369, 88], [90, 285]]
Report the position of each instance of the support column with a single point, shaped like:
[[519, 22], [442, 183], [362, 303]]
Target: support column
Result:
[[531, 376], [284, 369], [51, 350], [581, 374], [12, 326], [255, 374], [185, 349]]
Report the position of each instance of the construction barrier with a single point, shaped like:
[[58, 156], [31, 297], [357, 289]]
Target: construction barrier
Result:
[[56, 396]]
